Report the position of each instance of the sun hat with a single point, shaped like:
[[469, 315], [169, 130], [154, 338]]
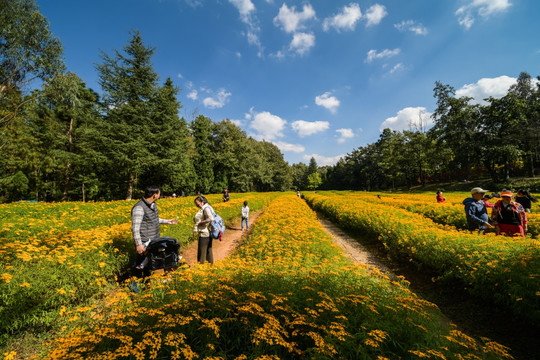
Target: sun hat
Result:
[[478, 190], [507, 193]]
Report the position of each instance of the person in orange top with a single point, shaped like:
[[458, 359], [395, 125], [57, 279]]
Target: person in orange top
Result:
[[509, 216]]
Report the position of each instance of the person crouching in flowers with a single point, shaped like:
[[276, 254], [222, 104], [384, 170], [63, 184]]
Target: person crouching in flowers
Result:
[[475, 211], [440, 198], [509, 216], [202, 221]]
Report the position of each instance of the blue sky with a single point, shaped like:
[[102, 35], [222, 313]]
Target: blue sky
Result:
[[317, 78]]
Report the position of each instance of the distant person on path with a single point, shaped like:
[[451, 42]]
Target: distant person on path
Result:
[[245, 216], [298, 193], [509, 216], [226, 195], [145, 222], [525, 199], [476, 212], [202, 221], [440, 198]]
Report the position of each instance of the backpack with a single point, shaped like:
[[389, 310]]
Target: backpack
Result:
[[217, 227]]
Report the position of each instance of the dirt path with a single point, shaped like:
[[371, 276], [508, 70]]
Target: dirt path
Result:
[[221, 249], [353, 249], [475, 317]]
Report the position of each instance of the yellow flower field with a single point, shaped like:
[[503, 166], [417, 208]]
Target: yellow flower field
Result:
[[496, 268], [287, 292], [56, 256]]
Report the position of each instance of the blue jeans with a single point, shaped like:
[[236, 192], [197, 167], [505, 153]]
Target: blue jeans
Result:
[[246, 219]]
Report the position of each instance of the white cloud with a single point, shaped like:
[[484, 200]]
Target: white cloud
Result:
[[268, 126], [345, 134], [193, 95], [396, 67], [247, 10], [283, 146], [194, 3], [236, 122], [486, 87], [306, 128], [345, 20], [408, 118], [245, 7], [386, 53], [467, 14], [411, 25], [323, 160], [302, 42], [290, 20], [327, 101], [375, 14], [180, 76], [218, 101]]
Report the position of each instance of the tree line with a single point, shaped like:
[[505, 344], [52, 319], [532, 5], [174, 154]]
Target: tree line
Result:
[[68, 142], [499, 140]]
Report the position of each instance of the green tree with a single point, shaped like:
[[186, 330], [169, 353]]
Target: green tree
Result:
[[203, 162], [129, 83], [314, 181], [234, 165], [172, 168], [457, 126], [28, 51]]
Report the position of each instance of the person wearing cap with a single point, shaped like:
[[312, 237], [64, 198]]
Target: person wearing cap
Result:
[[509, 216], [476, 212]]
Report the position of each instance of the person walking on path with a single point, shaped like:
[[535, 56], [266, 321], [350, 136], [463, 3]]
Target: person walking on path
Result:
[[245, 216], [476, 212], [509, 216], [145, 222], [202, 221]]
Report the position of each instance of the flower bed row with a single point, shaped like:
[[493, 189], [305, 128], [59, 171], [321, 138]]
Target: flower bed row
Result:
[[499, 269], [286, 293], [39, 275], [448, 213]]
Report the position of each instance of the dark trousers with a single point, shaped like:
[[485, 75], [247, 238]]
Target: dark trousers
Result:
[[204, 250]]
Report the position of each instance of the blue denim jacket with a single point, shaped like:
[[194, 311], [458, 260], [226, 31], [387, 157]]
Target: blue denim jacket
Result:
[[476, 213]]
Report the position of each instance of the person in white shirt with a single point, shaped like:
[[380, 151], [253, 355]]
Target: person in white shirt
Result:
[[245, 216], [202, 220]]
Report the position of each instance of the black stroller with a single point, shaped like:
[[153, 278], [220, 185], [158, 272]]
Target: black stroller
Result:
[[161, 254]]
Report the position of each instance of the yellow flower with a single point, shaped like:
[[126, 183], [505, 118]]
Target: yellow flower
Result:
[[25, 284], [6, 277], [10, 355]]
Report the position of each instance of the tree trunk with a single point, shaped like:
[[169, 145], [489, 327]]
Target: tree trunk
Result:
[[129, 194], [83, 193], [530, 165], [68, 165]]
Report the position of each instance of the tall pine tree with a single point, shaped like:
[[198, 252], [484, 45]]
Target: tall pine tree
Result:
[[129, 83]]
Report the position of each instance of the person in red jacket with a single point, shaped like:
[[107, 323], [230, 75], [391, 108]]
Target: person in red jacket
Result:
[[440, 198], [509, 216]]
